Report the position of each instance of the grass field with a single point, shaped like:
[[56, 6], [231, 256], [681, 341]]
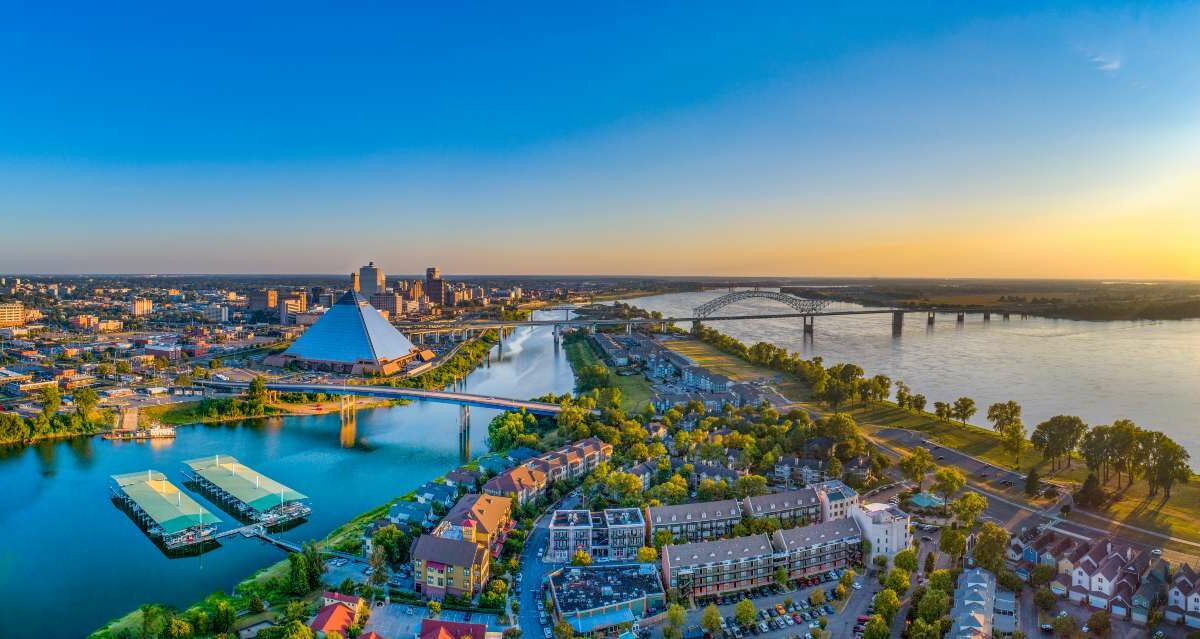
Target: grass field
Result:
[[1178, 517], [635, 389]]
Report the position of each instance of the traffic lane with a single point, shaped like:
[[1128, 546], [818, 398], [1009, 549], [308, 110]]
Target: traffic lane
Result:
[[974, 468]]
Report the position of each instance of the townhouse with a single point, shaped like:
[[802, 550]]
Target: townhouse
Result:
[[1183, 599], [981, 610], [530, 479], [490, 515], [1107, 576]]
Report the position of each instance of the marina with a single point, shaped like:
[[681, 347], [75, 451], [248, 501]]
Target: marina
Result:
[[248, 494], [164, 512]]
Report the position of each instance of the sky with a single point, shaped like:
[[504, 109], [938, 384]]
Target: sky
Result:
[[977, 139]]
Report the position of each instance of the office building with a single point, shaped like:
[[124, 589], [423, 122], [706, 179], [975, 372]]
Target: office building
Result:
[[262, 300], [216, 313], [139, 307], [12, 314], [371, 280]]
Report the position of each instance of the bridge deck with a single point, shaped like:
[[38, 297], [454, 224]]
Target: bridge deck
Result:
[[388, 392]]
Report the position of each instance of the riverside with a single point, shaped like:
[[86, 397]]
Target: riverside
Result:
[[73, 557], [1102, 371]]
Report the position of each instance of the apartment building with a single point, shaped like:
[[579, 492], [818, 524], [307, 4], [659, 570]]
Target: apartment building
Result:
[[697, 521], [790, 507], [885, 526], [614, 534]]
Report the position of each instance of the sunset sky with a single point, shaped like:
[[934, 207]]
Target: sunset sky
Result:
[[900, 139]]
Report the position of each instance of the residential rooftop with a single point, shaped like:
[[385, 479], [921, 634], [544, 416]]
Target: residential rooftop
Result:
[[581, 588]]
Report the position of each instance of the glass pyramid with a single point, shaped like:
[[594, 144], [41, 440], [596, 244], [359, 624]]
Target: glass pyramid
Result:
[[352, 331]]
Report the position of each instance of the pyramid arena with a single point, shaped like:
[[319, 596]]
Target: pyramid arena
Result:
[[351, 338]]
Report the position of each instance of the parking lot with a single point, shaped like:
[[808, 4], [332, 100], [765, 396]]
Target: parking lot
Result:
[[797, 621]]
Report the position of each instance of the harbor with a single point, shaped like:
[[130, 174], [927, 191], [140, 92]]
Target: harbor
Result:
[[166, 513]]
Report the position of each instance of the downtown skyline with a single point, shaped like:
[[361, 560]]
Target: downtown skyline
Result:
[[991, 142]]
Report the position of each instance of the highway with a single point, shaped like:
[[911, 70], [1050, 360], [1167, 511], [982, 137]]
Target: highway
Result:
[[388, 392]]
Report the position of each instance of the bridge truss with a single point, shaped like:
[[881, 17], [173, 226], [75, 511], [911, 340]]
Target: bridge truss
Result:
[[799, 304]]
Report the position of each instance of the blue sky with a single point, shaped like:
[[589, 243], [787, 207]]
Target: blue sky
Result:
[[972, 139]]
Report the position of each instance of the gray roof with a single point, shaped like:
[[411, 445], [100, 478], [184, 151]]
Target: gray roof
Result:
[[352, 331], [787, 500], [715, 552], [822, 533], [703, 511]]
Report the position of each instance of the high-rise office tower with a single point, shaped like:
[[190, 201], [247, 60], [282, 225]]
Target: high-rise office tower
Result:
[[370, 279]]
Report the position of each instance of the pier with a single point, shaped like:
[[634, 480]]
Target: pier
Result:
[[250, 495], [164, 511]]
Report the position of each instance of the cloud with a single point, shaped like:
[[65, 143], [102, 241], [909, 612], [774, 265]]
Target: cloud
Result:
[[1106, 64]]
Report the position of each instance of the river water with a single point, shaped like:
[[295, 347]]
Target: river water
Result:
[[71, 560], [1147, 371]]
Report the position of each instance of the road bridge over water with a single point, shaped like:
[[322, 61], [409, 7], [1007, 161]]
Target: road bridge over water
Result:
[[389, 392]]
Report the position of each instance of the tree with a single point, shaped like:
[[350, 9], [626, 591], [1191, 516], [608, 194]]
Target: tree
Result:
[[581, 558], [676, 616], [51, 401], [1003, 415], [647, 555], [953, 542], [877, 628], [224, 615], [934, 605], [744, 612], [906, 559], [989, 547], [947, 481], [1044, 599], [379, 566], [1066, 628], [816, 597], [1033, 482], [434, 607], [1100, 623], [887, 603], [930, 561], [917, 402], [563, 630], [1058, 437], [394, 542], [1041, 575], [86, 400], [964, 409], [921, 629], [916, 465], [749, 486], [969, 507], [710, 619], [941, 580], [897, 580]]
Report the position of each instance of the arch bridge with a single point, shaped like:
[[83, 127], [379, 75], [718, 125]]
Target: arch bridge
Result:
[[798, 304]]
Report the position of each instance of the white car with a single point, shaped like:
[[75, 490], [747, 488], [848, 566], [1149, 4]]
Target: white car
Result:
[[857, 586], [546, 632]]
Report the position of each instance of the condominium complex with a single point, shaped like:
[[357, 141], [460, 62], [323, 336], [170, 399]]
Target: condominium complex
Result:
[[140, 306], [727, 565]]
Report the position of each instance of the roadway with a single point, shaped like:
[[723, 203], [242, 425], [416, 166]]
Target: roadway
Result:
[[388, 392]]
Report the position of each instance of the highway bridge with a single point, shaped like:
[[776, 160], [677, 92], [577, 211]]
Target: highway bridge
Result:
[[388, 392]]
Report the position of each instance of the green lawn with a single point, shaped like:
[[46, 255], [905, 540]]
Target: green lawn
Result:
[[635, 389]]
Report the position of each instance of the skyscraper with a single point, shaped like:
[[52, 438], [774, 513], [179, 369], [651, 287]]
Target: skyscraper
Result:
[[435, 286], [371, 279]]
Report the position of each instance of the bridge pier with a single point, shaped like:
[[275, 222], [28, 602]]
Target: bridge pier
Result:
[[1004, 316], [929, 318], [464, 432], [809, 325], [987, 317], [897, 323], [662, 327], [695, 327], [962, 317], [629, 328]]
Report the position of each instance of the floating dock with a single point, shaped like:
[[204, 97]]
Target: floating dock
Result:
[[246, 492], [164, 511]]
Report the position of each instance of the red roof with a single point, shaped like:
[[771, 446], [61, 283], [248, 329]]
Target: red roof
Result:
[[336, 616], [349, 600], [371, 635], [436, 629]]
